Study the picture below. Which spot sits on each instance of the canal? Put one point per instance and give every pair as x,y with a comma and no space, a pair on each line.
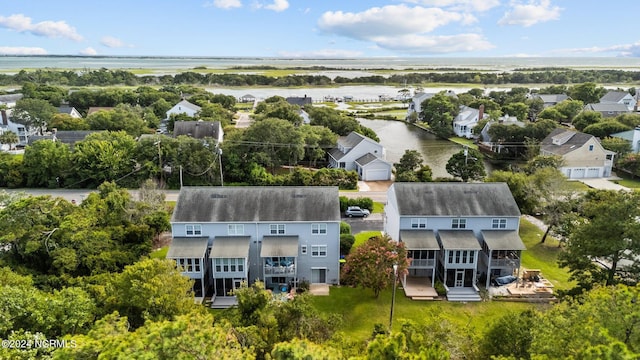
398,136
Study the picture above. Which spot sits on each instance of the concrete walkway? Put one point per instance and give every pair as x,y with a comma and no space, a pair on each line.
603,184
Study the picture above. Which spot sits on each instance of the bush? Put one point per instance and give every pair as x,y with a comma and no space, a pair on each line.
346,242
440,289
345,228
362,202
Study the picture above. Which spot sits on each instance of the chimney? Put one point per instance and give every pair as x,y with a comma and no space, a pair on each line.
481,112
5,119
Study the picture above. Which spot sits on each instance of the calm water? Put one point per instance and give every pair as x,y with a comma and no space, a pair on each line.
171,64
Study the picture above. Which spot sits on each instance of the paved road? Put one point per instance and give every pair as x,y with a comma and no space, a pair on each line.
171,195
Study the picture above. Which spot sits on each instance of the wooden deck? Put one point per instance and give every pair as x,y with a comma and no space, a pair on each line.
419,288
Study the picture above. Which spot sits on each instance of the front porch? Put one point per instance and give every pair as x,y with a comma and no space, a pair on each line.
419,288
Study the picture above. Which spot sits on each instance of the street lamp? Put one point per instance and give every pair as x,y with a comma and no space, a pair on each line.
393,295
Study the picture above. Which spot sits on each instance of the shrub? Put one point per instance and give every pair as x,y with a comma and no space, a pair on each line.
345,228
346,242
440,289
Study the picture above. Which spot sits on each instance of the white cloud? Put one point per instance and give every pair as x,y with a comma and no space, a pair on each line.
224,4
391,20
626,50
276,5
531,13
88,51
421,44
112,42
404,28
459,5
51,29
7,50
323,53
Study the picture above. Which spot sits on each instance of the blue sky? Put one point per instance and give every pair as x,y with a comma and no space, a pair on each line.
321,28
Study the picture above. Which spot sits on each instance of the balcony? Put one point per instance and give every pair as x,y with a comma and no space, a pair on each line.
505,262
422,263
279,270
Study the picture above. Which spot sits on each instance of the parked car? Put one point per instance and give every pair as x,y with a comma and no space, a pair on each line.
356,211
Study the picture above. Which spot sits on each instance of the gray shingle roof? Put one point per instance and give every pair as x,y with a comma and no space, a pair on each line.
259,203
455,199
351,140
188,105
577,140
419,239
197,129
613,96
607,107
366,159
459,240
503,240
230,247
187,247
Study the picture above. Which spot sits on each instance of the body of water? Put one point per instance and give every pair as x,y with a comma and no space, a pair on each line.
173,64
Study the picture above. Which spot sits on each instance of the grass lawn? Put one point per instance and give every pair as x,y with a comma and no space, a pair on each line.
378,207
464,142
575,186
627,182
160,253
360,311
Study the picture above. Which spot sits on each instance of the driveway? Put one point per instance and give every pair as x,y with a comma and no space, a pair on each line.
603,184
243,120
373,222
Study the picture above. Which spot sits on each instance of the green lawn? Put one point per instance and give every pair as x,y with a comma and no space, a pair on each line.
378,207
630,183
464,142
160,253
360,311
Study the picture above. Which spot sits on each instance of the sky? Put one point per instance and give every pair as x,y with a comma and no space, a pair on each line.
321,28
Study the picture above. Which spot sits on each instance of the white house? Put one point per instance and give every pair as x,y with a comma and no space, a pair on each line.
466,120
582,154
184,107
71,111
23,132
415,105
351,154
619,97
457,233
223,236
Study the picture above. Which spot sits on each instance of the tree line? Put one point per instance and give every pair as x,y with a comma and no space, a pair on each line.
106,77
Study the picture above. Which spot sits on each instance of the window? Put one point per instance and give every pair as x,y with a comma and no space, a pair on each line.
458,223
303,249
590,147
193,229
318,229
318,250
196,265
418,223
276,229
498,223
236,229
189,265
229,264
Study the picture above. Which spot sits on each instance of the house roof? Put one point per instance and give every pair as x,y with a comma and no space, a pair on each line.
562,141
63,136
257,203
66,109
10,98
419,239
503,240
467,115
552,98
454,199
350,141
614,96
197,129
230,247
299,100
459,240
280,246
188,105
607,107
627,135
187,247
368,159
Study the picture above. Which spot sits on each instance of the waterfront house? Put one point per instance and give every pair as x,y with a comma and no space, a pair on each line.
466,120
279,235
357,152
458,233
582,154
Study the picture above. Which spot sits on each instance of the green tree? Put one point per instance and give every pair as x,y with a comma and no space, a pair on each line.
123,117
587,92
605,128
36,113
370,265
9,138
519,326
102,156
604,238
439,112
65,122
274,142
618,145
46,164
586,118
517,109
141,293
297,349
467,164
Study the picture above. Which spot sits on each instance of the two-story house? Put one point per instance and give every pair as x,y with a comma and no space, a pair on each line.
458,233
361,154
582,154
279,235
466,120
199,129
619,97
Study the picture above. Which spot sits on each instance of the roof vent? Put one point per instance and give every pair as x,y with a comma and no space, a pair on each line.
299,196
218,196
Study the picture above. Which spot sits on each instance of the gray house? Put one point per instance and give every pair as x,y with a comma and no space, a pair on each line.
361,154
199,129
458,233
279,235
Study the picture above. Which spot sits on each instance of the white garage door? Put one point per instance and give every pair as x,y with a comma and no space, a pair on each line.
376,174
593,172
577,173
